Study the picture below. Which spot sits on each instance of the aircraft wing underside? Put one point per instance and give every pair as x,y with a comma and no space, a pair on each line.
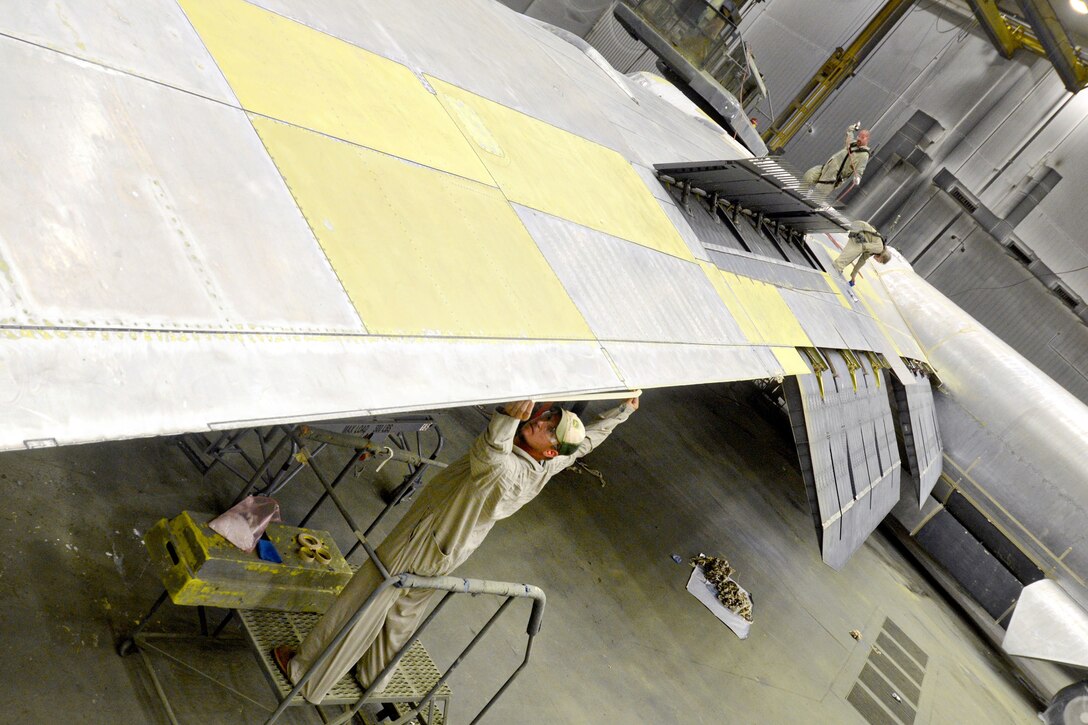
227,214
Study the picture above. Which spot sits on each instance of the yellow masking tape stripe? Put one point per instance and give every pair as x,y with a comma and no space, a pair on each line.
835,288
283,69
421,252
770,313
792,362
561,173
872,301
747,326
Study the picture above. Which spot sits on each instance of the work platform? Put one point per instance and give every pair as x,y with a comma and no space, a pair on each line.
764,185
414,677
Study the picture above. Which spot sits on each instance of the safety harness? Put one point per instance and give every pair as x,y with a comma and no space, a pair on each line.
854,147
866,235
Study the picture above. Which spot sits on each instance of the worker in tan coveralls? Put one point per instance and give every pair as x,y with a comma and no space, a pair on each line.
848,163
863,242
506,467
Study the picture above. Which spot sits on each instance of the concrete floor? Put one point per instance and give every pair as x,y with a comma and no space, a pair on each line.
696,470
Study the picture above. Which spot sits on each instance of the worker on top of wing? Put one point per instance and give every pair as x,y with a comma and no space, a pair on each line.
506,467
863,242
847,164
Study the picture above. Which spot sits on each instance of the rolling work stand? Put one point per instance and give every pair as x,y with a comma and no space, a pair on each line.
279,603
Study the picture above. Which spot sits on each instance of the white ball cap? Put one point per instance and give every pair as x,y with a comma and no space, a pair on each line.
570,432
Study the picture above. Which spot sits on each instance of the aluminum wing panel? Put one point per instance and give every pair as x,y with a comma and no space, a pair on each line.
815,319
891,329
629,292
653,129
849,456
149,38
233,381
856,328
678,218
646,365
124,195
781,274
473,35
921,433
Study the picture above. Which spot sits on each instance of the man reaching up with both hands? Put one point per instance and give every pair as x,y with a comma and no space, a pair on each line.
506,467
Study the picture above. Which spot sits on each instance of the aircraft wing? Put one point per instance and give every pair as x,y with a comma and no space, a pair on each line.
222,214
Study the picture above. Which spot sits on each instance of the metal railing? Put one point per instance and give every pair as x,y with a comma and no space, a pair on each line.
702,33
295,441
451,585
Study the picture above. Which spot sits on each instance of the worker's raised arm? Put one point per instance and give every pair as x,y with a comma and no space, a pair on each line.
493,446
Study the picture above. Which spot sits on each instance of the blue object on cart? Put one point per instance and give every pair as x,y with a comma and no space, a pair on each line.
267,550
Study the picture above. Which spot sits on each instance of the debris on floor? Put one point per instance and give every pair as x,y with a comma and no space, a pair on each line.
711,582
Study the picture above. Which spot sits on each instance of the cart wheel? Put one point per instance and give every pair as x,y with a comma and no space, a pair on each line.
126,647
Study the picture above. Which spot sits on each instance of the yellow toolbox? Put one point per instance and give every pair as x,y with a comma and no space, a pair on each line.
201,568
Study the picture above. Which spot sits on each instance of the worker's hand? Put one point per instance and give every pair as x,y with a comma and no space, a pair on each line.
851,281
633,402
521,409
857,180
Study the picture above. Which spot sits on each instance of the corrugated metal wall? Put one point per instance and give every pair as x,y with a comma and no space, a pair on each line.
1000,293
577,16
791,39
624,53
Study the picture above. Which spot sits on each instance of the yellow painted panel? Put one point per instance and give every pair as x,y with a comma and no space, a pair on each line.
418,251
285,70
561,173
874,301
793,363
835,288
768,311
747,326
887,332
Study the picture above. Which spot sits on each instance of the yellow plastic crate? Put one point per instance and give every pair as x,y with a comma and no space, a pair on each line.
201,568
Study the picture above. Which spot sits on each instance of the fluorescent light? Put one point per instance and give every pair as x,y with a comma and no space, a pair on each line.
1079,6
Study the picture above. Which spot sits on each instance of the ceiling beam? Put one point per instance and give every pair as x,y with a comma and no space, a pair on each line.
833,73
994,25
1052,36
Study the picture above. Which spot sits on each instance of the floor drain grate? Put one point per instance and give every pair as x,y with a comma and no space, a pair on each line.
890,683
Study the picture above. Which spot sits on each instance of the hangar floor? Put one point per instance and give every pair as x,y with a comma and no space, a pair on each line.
695,470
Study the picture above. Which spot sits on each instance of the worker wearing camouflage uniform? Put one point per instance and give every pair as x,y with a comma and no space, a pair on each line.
863,242
506,467
846,164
